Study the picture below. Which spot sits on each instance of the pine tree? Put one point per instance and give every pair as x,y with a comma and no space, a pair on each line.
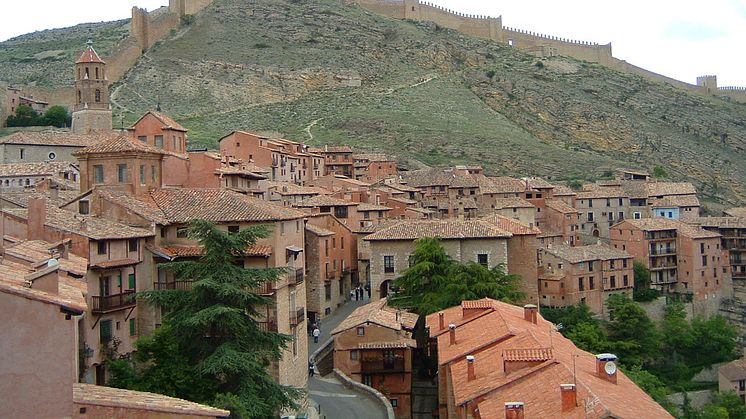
210,348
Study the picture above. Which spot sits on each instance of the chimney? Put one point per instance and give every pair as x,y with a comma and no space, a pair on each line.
530,312
514,410
470,373
569,397
452,332
442,322
606,367
62,250
37,216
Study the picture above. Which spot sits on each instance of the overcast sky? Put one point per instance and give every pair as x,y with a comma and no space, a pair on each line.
680,39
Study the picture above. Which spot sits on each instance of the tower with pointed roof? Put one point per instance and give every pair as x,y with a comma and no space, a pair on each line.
92,111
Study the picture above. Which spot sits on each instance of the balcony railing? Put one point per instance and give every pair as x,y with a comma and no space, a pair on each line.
382,366
175,285
297,316
298,276
268,325
662,251
266,288
106,303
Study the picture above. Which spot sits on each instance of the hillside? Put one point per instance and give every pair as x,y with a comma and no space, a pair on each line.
427,93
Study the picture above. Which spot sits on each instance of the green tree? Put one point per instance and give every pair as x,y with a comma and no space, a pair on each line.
642,290
713,340
589,337
659,172
434,281
650,384
56,116
676,339
25,116
210,348
633,336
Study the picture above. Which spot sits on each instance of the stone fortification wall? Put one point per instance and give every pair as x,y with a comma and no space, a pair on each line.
548,45
474,25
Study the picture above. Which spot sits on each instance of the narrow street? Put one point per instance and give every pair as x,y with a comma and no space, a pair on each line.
334,399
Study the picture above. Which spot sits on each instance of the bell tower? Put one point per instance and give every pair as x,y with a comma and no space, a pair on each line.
92,111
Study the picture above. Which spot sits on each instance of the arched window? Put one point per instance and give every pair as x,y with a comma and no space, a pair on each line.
98,95
96,73
78,73
79,97
87,76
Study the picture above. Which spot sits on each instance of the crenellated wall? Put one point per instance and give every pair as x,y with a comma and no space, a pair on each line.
534,43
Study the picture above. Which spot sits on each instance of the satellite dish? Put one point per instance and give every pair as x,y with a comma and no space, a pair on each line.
610,368
52,262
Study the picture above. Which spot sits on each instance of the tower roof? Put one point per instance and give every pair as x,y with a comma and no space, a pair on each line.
89,56
122,143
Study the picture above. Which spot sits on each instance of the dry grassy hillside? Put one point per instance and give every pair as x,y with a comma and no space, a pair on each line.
430,94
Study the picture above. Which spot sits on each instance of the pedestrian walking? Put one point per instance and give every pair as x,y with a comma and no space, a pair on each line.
360,291
311,368
316,334
357,294
353,294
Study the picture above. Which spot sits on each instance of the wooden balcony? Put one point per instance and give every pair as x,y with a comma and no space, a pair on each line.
380,366
268,325
297,316
108,303
267,288
174,285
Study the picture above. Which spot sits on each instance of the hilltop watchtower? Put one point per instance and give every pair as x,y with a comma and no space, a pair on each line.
92,111
710,83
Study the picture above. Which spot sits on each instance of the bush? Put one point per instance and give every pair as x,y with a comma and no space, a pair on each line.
490,74
645,295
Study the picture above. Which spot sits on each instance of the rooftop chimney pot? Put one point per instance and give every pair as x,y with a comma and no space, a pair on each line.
452,333
606,367
530,312
441,321
514,410
471,373
569,397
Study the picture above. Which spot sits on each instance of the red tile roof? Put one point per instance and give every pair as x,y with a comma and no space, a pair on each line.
530,354
515,227
734,370
57,138
89,394
108,264
38,251
444,229
173,252
89,56
560,206
120,144
378,312
166,120
69,297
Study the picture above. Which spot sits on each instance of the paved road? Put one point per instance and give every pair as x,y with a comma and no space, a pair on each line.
337,401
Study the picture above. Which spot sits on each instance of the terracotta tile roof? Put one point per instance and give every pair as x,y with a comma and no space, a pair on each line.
513,202
634,171
287,189
336,149
539,183
322,232
670,188
736,212
94,227
484,303
635,189
70,297
371,157
676,201
180,205
167,121
444,229
684,229
378,312
241,171
57,138
515,227
405,201
38,251
89,56
530,354
324,201
506,184
144,206
138,400
463,180
173,252
560,206
577,254
602,192
734,370
427,177
21,199
493,387
372,207
120,144
35,169
402,187
562,190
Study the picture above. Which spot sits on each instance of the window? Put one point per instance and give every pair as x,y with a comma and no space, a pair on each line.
98,174
83,207
342,242
325,209
52,156
233,229
608,202
581,285
388,264
326,247
98,95
163,232
131,282
152,173
394,403
143,138
101,247
340,212
482,259
621,201
361,331
334,242
368,380
122,173
612,281
366,215
142,174
590,266
590,217
636,215
104,331
591,284
159,141
741,385
611,216
181,232
621,216
704,260
133,327
590,203
625,280
624,263
353,355
701,248
132,245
